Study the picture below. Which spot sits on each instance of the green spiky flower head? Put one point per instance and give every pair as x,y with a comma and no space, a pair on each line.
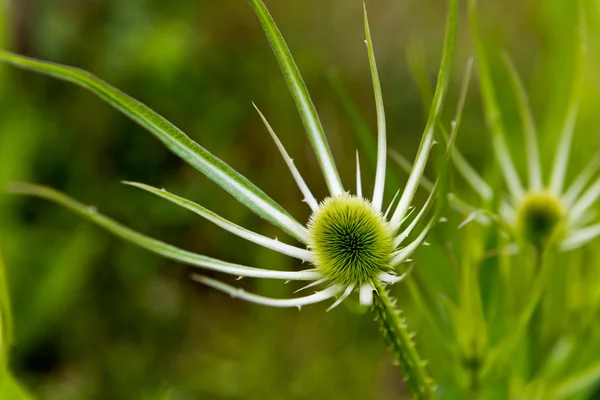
351,241
539,217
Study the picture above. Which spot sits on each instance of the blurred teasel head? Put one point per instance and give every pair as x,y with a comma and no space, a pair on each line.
546,210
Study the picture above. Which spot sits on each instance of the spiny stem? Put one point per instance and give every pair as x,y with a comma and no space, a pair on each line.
399,339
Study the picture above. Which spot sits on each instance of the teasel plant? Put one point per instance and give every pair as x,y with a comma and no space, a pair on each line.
546,210
543,210
531,241
351,242
555,218
495,316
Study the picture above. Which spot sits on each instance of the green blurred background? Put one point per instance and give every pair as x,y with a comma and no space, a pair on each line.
96,318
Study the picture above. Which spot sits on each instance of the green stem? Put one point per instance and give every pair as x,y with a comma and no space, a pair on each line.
399,339
10,388
5,321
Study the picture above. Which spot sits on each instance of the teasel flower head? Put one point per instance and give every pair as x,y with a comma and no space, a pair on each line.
351,243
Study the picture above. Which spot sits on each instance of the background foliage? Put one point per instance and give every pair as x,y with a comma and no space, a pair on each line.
95,318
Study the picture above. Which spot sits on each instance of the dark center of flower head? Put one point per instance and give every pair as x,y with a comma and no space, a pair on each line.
351,241
538,217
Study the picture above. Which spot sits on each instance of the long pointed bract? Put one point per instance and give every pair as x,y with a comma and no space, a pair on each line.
299,92
401,255
308,196
359,192
153,245
468,172
581,181
436,107
580,237
531,144
406,232
407,166
172,137
455,125
390,279
379,186
566,137
492,111
266,301
458,204
451,139
276,245
389,208
472,177
312,284
584,202
366,294
343,297
417,69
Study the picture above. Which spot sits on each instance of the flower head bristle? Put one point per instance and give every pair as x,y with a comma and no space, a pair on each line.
351,241
539,215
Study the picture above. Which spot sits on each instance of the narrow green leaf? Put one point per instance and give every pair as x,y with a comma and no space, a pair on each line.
415,62
579,382
273,244
581,181
366,138
308,196
5,321
580,237
433,188
239,293
502,353
531,143
472,176
455,126
416,67
558,360
493,114
379,186
406,166
566,137
401,255
153,245
434,114
299,92
459,205
582,205
173,138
